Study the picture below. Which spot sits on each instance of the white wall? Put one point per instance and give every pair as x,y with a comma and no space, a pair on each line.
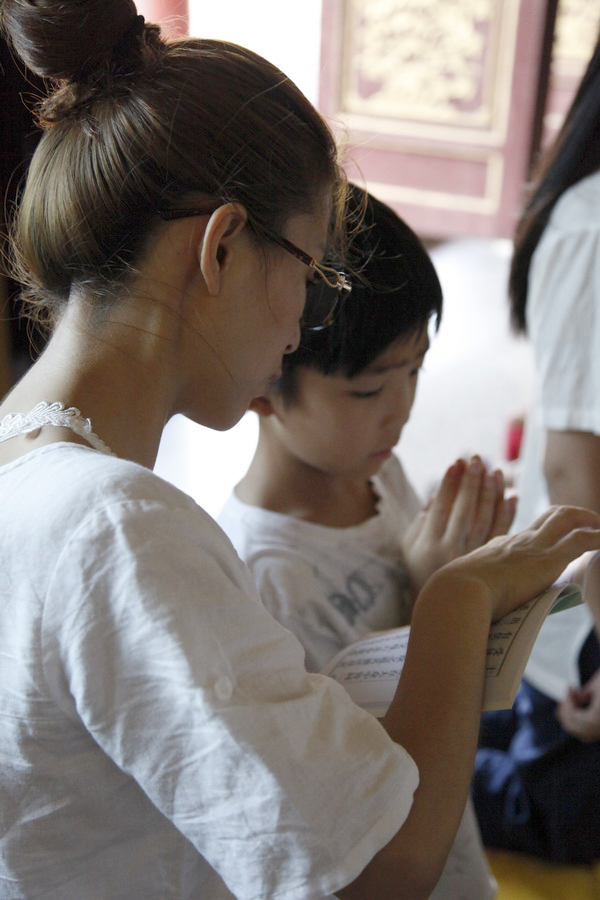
288,35
477,375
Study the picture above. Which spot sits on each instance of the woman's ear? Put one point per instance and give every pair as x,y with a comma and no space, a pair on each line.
222,231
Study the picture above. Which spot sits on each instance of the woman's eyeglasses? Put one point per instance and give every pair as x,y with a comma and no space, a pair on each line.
322,297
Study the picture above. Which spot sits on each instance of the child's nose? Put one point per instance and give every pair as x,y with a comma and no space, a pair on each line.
396,418
399,413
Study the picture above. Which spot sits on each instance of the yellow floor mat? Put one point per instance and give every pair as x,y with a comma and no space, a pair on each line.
523,877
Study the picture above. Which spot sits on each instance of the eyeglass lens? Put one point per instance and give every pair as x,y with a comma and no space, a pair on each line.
321,303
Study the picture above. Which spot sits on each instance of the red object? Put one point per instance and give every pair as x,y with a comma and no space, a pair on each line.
514,437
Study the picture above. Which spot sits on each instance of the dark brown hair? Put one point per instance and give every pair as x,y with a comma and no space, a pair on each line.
574,155
395,293
134,125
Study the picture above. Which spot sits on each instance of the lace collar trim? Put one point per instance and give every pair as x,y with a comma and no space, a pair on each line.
52,414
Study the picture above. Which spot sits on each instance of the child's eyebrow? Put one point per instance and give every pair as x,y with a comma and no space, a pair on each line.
379,370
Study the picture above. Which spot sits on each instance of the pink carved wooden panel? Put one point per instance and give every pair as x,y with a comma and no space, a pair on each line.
436,100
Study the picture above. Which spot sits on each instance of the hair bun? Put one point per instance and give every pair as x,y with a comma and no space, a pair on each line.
63,39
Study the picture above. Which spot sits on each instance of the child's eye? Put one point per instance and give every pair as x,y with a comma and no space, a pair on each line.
363,395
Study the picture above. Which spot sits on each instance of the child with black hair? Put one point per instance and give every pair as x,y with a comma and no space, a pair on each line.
325,517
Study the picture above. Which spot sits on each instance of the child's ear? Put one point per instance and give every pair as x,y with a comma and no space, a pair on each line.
262,406
224,227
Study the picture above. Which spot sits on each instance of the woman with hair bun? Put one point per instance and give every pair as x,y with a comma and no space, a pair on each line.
160,738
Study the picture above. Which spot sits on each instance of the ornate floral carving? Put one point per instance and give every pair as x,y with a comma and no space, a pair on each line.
423,59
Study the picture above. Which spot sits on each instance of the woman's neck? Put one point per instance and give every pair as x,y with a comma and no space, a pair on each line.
103,370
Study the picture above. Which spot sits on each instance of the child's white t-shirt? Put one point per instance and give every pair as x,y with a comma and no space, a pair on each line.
157,726
330,586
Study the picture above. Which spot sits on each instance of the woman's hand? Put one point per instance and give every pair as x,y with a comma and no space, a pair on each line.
515,568
468,509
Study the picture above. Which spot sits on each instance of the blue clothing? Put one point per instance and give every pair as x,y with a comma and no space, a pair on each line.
536,789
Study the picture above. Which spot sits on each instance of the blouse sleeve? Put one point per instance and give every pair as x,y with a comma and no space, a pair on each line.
185,682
